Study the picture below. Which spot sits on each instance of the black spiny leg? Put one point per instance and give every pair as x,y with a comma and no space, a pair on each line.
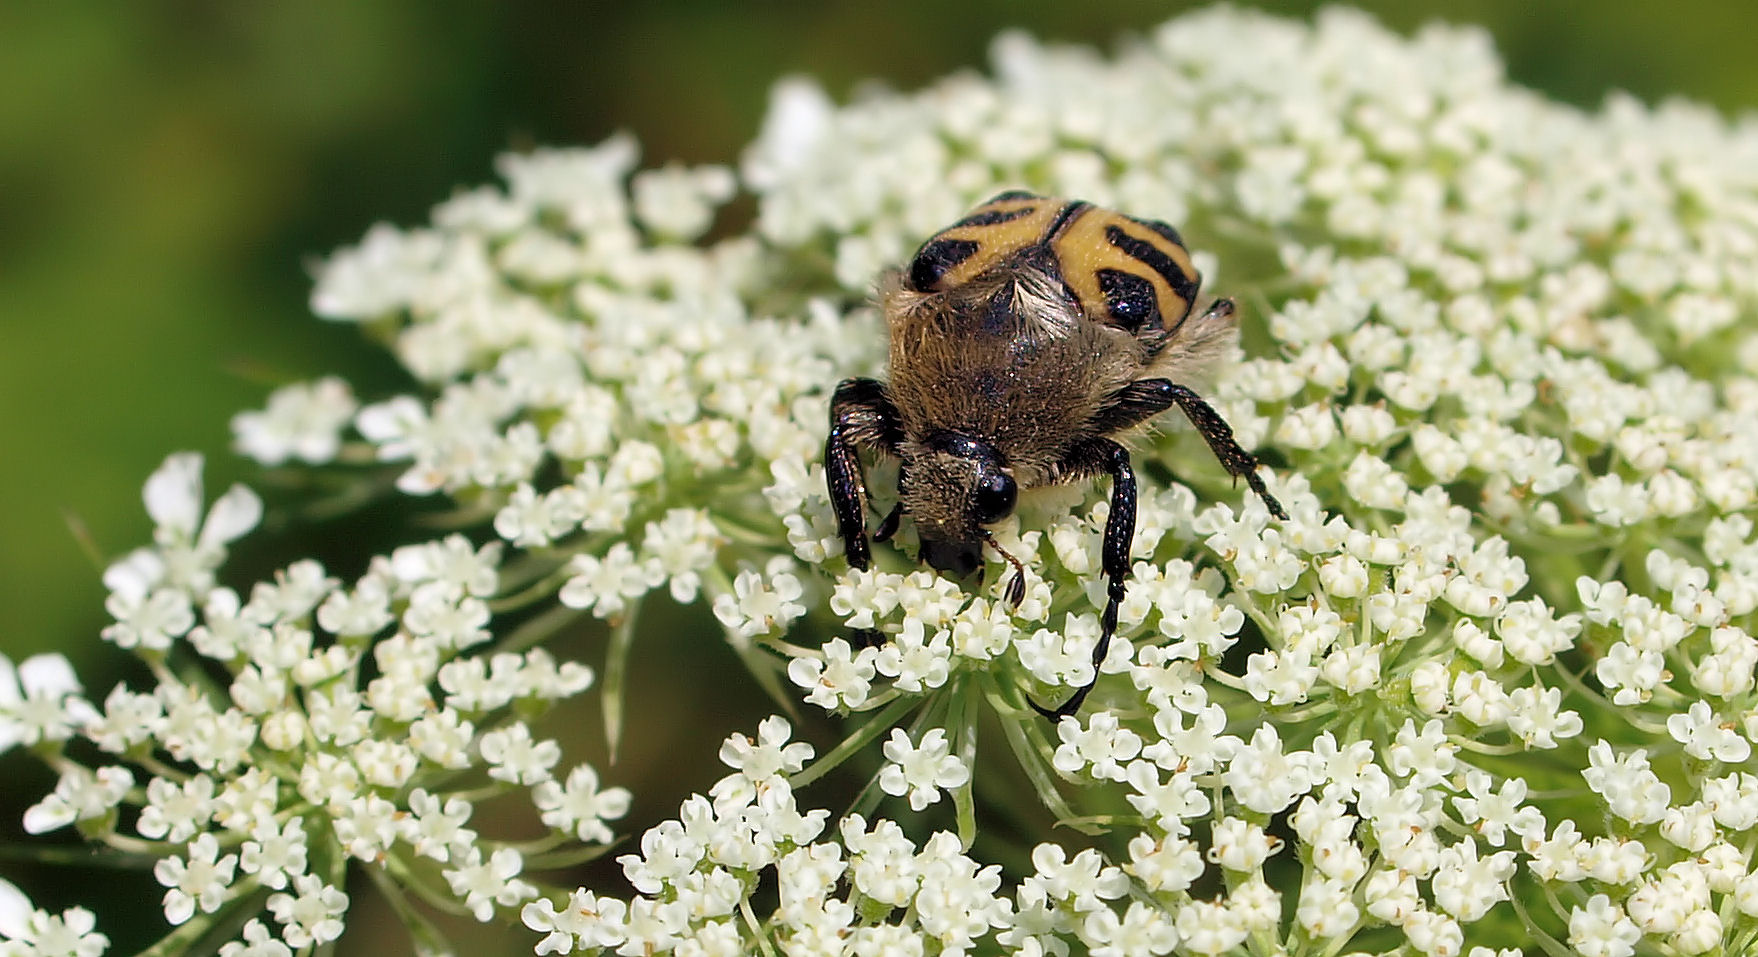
1142,400
1128,406
1103,455
1135,403
1219,435
861,414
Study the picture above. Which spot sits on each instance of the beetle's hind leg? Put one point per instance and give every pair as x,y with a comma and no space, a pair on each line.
1215,431
1145,398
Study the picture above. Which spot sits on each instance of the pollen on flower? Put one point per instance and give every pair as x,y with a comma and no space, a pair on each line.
760,604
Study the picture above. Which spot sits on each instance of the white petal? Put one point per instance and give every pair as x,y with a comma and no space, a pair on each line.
41,818
412,563
173,493
388,421
48,675
135,575
15,911
798,118
236,513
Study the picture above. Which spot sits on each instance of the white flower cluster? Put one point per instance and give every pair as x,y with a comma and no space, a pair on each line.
695,875
1517,412
1491,684
324,722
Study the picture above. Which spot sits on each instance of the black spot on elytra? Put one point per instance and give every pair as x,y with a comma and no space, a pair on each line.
936,258
1130,299
1012,195
1149,255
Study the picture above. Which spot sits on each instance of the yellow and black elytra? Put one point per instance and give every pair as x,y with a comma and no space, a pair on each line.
1023,337
1130,272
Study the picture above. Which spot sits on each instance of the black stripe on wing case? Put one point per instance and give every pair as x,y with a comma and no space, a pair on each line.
992,217
936,258
1151,256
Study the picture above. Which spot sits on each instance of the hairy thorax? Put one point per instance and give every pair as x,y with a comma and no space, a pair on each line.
1012,364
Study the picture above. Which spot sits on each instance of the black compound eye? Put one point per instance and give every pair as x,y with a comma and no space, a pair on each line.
995,496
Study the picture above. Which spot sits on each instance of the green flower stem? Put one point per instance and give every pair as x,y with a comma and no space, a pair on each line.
1211,669
150,850
81,855
1476,746
738,531
544,585
963,720
539,628
1034,759
189,936
356,490
757,932
561,860
470,513
1550,944
1323,707
862,736
1243,600
427,937
616,670
414,879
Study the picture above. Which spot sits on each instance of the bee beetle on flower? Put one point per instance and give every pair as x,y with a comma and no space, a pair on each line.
1023,338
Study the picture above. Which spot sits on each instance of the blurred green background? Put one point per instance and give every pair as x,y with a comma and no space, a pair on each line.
168,169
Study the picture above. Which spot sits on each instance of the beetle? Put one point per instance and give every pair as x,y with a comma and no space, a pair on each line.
1023,338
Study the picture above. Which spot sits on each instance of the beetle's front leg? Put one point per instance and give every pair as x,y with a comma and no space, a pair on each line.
842,473
861,414
1090,456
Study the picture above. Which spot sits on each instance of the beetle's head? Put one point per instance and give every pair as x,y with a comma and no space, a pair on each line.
954,485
